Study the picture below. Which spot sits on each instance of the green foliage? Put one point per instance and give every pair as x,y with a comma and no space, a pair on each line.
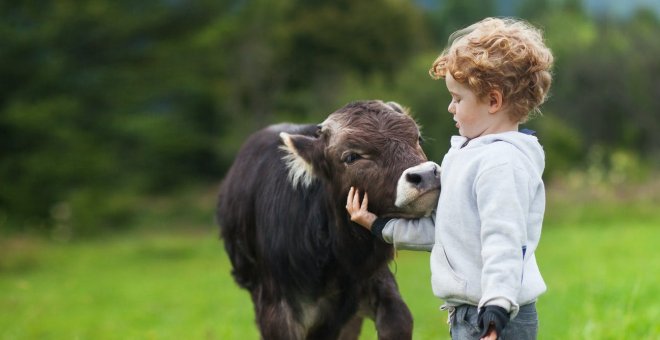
563,144
104,103
606,80
452,15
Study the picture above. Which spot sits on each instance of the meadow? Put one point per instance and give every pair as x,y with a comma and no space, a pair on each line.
599,259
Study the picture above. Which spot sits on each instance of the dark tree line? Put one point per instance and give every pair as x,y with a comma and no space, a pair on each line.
105,102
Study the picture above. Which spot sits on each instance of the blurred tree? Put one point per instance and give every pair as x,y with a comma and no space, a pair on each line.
288,60
607,80
98,96
103,101
451,15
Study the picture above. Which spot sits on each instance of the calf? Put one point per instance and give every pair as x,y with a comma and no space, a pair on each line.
311,272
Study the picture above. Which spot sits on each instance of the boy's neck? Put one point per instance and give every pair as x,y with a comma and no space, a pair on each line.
503,124
493,130
501,129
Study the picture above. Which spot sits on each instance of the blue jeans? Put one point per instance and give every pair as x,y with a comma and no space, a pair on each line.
463,324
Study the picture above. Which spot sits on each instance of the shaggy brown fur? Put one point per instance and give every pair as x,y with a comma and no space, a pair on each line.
311,272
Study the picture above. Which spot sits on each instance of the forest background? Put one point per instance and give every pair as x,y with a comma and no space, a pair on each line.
106,105
119,119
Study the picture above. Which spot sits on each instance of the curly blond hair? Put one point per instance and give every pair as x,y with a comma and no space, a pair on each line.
502,54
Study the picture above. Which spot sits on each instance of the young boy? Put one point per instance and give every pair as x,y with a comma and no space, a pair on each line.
488,221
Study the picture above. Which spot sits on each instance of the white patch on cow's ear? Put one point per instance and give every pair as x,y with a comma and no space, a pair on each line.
398,108
301,171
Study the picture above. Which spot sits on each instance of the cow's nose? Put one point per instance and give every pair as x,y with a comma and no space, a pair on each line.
414,178
414,186
423,177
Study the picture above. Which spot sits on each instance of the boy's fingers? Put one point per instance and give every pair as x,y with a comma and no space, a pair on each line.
365,202
349,199
356,199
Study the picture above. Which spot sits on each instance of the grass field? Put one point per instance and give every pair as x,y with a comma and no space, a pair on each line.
602,268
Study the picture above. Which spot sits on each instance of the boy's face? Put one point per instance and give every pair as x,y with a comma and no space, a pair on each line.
471,114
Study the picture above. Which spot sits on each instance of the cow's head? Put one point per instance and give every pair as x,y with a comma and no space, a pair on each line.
374,146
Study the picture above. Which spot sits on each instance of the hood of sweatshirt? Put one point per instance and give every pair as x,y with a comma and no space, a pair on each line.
528,144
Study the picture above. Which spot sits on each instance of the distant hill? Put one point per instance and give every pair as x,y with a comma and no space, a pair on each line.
598,8
621,9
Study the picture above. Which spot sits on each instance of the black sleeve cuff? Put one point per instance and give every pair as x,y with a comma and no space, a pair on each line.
495,315
378,226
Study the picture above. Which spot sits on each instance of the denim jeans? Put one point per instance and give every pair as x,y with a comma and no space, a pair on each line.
463,324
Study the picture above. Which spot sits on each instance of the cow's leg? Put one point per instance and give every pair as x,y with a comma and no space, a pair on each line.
392,317
337,314
351,330
275,319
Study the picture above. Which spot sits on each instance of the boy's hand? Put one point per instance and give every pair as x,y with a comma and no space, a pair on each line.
492,334
358,211
492,320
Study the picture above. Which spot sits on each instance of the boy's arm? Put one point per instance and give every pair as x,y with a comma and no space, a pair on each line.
502,210
409,234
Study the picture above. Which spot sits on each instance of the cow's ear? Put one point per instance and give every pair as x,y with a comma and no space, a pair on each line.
300,151
398,108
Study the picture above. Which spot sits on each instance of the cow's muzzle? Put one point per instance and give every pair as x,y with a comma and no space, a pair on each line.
418,188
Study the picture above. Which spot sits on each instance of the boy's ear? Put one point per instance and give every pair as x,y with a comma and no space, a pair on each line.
495,101
299,158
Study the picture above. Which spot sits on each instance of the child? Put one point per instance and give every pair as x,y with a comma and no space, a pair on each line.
488,220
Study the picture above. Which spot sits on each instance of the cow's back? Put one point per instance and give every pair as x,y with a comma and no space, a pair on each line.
272,231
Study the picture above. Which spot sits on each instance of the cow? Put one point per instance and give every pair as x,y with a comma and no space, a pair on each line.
310,271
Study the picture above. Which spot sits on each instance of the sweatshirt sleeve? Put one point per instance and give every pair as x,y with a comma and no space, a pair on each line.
503,203
407,234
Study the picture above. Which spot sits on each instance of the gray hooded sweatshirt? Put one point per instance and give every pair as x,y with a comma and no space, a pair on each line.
487,224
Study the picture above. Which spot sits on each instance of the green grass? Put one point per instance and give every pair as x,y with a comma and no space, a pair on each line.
155,286
603,280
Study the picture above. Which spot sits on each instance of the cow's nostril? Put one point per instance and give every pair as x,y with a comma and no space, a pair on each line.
414,178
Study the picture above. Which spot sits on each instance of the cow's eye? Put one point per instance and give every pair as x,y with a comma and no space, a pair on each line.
421,140
351,157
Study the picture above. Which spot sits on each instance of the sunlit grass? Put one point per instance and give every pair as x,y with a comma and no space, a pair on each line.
603,282
134,286
600,264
